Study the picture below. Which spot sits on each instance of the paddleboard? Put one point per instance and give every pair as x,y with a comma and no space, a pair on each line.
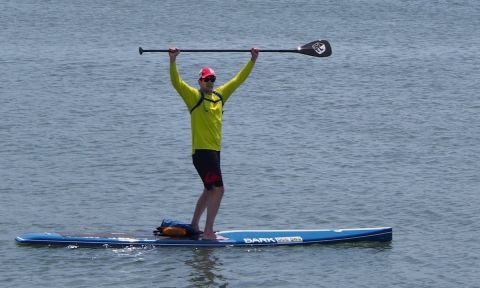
234,238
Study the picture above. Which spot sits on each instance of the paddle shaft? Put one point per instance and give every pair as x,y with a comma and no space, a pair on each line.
216,50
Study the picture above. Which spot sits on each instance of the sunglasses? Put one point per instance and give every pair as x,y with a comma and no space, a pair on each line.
210,78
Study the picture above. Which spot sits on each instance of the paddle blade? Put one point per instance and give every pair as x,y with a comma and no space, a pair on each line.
319,48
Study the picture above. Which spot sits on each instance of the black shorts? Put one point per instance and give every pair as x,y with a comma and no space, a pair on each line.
207,163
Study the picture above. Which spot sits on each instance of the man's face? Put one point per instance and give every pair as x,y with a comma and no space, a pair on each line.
207,83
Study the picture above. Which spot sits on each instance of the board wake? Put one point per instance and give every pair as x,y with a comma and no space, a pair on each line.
234,238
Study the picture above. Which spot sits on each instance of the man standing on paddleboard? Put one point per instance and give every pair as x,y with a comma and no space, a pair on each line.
206,108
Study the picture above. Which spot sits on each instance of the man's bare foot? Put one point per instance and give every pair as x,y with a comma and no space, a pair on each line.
213,236
220,237
196,229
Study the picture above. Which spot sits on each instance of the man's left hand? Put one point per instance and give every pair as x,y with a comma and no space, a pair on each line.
255,52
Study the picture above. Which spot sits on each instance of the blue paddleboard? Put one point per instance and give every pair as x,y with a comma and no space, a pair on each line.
234,238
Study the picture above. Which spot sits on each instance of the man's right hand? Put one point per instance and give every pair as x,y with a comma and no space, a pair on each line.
173,53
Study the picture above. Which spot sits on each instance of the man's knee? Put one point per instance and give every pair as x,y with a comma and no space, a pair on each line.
218,190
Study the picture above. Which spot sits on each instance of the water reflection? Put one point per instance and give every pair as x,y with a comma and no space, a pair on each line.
206,270
379,246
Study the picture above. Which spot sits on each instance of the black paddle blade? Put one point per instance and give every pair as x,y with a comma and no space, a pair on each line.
319,48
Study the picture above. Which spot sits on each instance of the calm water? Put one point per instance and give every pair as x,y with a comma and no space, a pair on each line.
385,132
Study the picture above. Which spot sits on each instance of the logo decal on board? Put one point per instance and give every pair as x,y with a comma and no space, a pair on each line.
289,239
278,240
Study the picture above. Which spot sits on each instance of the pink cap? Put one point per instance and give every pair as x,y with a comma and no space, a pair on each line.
205,72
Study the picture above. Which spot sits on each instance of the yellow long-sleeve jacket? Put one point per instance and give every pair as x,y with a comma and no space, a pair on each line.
206,119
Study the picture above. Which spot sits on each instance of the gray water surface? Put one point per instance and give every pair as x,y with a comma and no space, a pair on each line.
385,132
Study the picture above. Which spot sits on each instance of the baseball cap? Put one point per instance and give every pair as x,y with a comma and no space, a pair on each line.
205,72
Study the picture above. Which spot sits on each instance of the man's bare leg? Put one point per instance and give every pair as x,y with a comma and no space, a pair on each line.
213,204
199,209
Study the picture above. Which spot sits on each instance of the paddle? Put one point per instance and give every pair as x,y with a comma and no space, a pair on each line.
318,48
